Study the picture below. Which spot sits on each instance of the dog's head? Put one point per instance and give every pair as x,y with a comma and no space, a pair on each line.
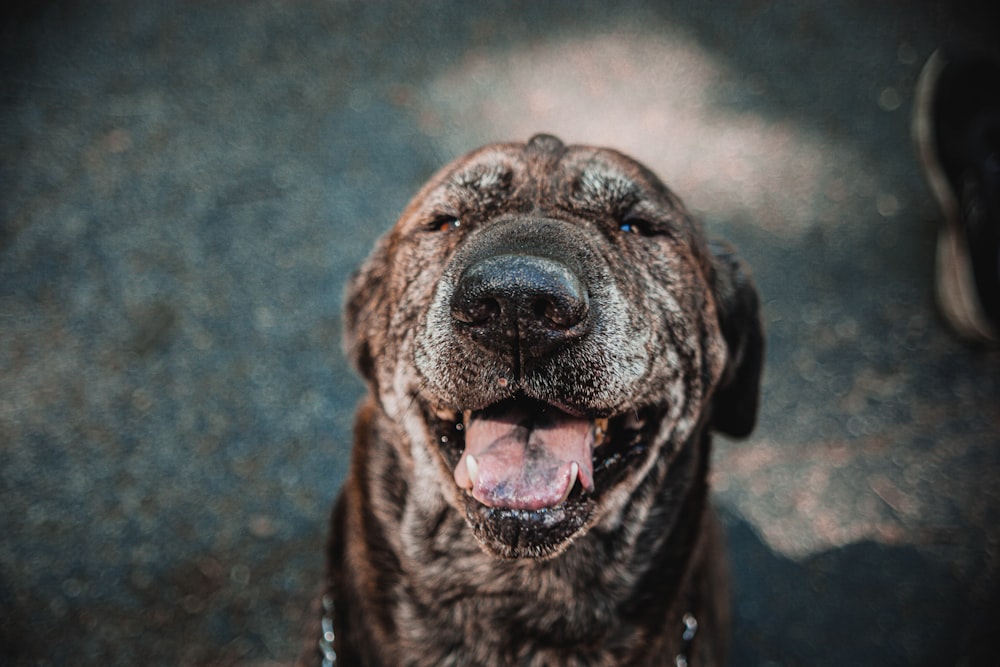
547,323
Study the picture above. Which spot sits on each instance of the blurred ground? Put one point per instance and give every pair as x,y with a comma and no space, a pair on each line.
185,186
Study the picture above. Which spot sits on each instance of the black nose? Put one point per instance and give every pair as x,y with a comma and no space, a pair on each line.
520,302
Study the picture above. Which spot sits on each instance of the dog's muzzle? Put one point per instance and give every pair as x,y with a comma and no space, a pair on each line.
522,306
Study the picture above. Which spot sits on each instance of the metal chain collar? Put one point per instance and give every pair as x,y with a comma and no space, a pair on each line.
329,655
326,639
687,639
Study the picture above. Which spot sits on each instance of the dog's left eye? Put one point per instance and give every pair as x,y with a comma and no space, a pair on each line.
444,223
636,226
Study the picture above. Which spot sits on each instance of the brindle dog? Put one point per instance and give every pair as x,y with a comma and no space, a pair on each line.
548,342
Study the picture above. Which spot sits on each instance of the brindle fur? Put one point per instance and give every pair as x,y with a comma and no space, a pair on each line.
418,575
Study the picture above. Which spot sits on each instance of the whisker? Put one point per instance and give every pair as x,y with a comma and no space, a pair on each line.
413,399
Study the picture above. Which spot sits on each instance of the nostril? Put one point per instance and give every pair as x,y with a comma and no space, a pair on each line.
544,308
555,313
477,311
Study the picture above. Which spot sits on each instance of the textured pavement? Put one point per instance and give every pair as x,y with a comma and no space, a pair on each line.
184,188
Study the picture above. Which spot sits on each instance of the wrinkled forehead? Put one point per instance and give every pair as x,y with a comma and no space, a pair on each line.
520,174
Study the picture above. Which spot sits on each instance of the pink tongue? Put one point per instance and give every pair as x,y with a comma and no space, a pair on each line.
524,458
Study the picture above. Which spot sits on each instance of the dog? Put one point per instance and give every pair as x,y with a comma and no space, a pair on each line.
548,342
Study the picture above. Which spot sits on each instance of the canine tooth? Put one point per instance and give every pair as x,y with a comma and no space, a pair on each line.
466,417
574,472
472,465
600,429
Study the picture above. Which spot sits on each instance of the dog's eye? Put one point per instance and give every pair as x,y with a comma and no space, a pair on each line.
639,226
444,223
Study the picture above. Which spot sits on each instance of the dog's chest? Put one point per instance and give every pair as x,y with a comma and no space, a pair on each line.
475,610
500,633
493,642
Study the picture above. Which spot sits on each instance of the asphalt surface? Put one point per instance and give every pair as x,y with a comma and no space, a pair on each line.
184,188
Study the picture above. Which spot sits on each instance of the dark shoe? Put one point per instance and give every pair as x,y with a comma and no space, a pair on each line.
956,127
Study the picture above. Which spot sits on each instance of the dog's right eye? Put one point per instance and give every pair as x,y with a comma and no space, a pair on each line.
444,223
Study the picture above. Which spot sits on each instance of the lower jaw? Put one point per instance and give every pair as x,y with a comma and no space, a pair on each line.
536,534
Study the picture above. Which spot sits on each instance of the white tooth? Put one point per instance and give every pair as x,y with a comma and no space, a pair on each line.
574,472
472,465
600,430
466,416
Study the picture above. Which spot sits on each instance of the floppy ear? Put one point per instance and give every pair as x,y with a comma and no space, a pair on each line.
734,405
363,311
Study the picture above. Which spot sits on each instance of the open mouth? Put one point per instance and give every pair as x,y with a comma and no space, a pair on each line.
529,456
532,474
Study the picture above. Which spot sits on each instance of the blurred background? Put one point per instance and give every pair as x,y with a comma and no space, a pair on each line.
185,186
